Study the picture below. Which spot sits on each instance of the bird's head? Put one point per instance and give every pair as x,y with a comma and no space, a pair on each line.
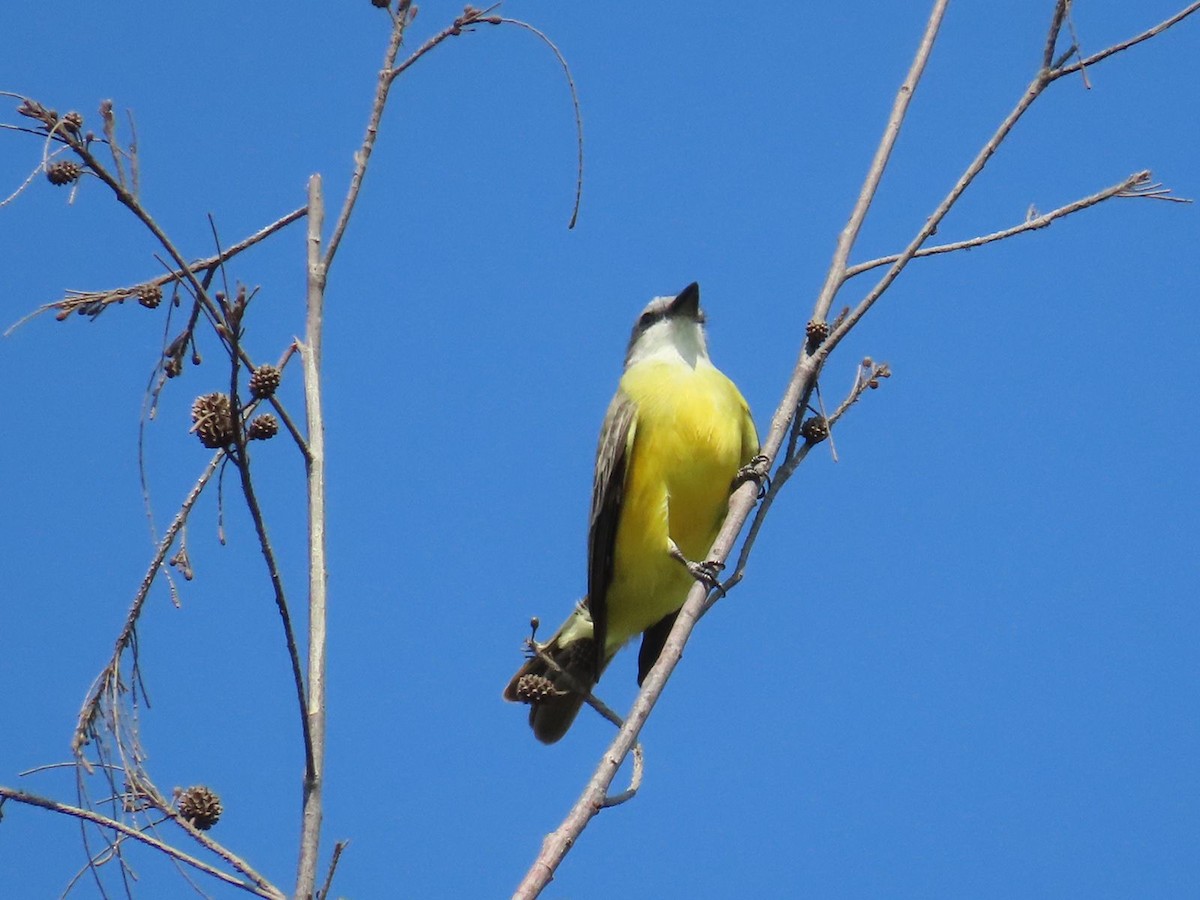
670,327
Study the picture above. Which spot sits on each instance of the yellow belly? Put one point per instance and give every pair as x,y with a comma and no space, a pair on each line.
693,433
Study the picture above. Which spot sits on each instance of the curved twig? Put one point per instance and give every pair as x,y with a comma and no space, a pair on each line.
574,103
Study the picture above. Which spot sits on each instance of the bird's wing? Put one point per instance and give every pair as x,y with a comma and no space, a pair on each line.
750,444
608,490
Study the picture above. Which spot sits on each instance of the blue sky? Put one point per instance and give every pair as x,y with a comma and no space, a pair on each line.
963,661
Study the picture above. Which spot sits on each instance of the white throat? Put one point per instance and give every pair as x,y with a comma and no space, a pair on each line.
671,339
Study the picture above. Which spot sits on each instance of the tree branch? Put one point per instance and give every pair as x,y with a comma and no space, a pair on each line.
362,157
317,571
261,887
289,632
388,74
1125,45
1130,187
90,299
91,704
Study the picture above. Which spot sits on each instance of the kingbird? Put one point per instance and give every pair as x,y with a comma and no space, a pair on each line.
673,444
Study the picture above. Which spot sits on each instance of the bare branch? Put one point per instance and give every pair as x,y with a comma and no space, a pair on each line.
635,780
91,705
338,848
363,156
261,888
388,74
1125,45
470,16
866,378
574,103
849,234
93,302
605,712
1056,23
289,633
310,354
131,202
1133,186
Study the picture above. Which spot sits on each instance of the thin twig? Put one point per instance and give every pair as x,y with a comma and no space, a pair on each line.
1127,188
65,765
1043,79
300,440
867,378
155,797
1125,45
116,295
574,684
605,711
388,74
289,632
91,705
262,889
131,202
575,105
110,139
134,163
635,780
113,851
470,16
1056,23
149,403
891,131
323,893
363,156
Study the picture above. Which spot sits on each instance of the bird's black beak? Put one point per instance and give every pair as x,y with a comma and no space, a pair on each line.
687,303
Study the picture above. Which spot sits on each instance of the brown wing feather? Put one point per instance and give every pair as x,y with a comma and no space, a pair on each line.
608,490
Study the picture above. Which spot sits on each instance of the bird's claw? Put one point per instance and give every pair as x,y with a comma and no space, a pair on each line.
707,573
757,470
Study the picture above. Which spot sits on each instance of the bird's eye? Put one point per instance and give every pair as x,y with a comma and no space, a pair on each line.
646,320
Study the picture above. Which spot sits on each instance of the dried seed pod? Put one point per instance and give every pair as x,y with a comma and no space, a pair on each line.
212,420
199,805
815,429
72,121
63,171
263,428
264,381
149,295
817,330
536,689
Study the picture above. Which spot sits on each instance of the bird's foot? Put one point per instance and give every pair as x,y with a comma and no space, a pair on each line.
707,573
758,471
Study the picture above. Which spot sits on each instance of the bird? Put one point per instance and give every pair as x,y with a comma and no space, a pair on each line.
677,438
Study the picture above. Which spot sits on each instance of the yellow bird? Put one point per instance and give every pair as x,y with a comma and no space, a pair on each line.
674,442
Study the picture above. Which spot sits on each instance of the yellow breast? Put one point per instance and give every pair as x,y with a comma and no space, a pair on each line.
692,433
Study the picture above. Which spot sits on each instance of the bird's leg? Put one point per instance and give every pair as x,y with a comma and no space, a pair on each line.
706,572
758,471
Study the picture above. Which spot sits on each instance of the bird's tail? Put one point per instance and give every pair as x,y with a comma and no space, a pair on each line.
556,692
